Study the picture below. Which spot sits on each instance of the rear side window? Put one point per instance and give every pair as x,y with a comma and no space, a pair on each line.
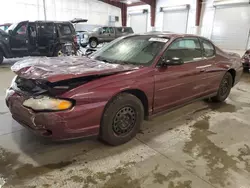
208,48
124,30
46,29
111,30
64,29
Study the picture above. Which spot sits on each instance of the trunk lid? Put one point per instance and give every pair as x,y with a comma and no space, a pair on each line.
65,68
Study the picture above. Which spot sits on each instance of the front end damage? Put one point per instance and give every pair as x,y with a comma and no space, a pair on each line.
54,124
35,96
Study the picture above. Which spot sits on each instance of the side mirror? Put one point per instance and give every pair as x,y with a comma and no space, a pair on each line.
10,32
172,61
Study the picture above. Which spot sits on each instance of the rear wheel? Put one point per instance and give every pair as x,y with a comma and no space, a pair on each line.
1,57
224,89
58,51
121,119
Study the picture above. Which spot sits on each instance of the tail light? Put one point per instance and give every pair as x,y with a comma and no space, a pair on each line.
75,39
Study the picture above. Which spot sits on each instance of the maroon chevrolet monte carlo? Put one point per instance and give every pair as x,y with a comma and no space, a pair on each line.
112,91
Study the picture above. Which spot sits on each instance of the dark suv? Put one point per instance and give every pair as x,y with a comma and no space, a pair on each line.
39,38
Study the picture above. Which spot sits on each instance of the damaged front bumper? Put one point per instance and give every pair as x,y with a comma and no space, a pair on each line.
80,121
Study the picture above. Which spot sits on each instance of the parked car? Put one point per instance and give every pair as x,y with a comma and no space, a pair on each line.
5,26
37,38
110,93
246,60
104,34
81,29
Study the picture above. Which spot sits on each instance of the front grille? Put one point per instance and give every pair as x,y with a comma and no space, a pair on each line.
30,86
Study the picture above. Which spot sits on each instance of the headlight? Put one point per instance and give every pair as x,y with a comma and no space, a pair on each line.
13,81
47,103
85,36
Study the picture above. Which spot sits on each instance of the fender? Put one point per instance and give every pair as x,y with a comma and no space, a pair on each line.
5,49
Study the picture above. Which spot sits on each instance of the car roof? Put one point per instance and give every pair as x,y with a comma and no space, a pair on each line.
115,26
57,22
169,34
6,24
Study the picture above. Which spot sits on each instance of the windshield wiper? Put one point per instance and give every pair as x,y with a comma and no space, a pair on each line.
104,60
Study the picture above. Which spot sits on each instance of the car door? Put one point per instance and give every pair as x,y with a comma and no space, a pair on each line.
112,34
105,35
213,73
19,39
178,84
47,35
32,37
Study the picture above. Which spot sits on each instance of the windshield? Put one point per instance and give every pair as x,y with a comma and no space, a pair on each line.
138,50
4,27
12,27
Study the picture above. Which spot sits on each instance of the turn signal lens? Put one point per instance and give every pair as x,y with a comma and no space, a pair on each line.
64,105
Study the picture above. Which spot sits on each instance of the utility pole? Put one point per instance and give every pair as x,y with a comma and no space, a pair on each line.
44,10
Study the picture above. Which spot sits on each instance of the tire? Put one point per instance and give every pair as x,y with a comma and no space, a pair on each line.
93,43
121,119
1,57
57,51
84,45
224,89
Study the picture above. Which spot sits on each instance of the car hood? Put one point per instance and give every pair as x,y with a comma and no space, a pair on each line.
233,54
90,32
55,69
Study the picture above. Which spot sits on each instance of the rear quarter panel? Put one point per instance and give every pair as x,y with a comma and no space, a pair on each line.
228,60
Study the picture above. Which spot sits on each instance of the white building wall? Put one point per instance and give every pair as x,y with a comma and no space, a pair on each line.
207,19
159,15
19,10
95,11
60,10
166,3
139,8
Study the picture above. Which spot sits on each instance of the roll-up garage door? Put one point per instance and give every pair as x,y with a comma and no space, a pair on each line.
175,20
138,22
231,27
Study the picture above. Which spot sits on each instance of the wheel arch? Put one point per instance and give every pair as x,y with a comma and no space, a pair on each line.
143,98
139,94
5,54
93,37
233,73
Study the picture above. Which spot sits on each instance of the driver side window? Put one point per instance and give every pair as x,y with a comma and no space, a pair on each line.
105,30
187,49
21,29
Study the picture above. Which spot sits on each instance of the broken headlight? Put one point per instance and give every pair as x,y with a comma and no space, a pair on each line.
46,103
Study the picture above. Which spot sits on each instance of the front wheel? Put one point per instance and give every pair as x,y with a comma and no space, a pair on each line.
224,89
93,43
121,119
